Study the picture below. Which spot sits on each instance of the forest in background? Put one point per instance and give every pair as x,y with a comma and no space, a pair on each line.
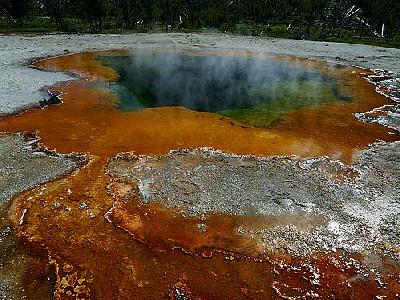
365,21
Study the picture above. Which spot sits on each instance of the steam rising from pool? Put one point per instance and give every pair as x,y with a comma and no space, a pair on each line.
255,91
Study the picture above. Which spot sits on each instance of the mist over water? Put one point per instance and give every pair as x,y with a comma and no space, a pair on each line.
251,90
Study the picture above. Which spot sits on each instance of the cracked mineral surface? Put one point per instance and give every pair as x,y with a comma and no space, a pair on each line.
308,207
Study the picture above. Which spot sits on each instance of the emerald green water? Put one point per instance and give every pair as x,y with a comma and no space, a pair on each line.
253,91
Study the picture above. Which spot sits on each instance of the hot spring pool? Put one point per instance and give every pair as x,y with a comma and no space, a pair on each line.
255,91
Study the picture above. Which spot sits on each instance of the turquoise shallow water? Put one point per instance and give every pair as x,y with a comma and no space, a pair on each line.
254,91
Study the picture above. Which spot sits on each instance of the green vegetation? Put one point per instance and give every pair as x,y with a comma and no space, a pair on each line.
375,22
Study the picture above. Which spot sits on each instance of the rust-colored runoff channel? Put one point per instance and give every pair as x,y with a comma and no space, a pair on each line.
149,252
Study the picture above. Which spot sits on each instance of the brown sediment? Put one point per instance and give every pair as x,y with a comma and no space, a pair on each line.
164,229
94,257
71,218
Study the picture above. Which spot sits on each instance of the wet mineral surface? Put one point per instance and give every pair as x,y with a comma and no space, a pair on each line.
137,220
24,164
301,205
